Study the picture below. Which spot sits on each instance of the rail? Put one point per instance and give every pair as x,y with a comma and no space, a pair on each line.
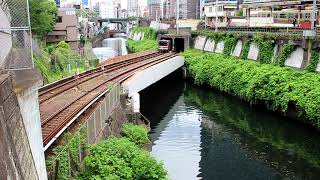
59,113
73,152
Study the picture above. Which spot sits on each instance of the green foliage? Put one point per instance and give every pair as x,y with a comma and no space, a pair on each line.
69,147
245,50
43,15
136,133
314,61
285,53
265,48
53,60
119,158
189,53
278,87
145,44
149,33
229,44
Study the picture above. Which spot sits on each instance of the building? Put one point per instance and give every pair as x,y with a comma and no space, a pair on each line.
154,9
279,12
223,11
188,9
66,28
133,8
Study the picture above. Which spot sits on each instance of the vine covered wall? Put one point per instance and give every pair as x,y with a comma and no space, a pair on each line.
148,42
279,88
266,44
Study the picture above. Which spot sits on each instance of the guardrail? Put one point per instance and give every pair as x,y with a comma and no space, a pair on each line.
272,30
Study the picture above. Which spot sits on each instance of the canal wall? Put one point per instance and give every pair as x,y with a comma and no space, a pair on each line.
254,48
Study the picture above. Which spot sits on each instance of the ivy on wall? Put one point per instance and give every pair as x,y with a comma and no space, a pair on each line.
280,88
229,44
285,53
149,33
245,50
314,61
266,46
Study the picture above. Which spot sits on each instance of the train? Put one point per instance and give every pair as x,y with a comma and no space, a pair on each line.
165,45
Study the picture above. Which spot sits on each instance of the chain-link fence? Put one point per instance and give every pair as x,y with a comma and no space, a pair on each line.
15,35
67,159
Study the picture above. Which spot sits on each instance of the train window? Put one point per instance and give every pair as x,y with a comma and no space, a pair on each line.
307,16
283,16
163,43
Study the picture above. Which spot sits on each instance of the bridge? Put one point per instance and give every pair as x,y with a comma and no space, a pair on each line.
101,36
64,102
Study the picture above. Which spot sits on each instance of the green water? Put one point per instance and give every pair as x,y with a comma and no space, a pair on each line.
202,134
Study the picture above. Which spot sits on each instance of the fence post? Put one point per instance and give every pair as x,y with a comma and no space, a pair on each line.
55,170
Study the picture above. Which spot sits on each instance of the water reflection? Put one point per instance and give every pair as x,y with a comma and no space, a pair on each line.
201,134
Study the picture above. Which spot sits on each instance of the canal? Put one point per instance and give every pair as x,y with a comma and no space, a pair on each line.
199,133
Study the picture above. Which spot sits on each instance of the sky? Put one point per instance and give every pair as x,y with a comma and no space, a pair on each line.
142,3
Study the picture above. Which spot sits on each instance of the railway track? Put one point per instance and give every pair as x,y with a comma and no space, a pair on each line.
48,92
61,103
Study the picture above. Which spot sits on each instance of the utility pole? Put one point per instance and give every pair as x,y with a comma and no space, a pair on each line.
313,16
216,24
177,18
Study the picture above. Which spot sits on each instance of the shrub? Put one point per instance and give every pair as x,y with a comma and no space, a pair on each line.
119,158
314,61
143,45
136,133
278,87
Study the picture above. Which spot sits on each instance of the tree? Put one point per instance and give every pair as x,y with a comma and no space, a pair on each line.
43,15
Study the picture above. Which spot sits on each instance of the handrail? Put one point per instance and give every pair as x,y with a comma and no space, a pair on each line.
146,121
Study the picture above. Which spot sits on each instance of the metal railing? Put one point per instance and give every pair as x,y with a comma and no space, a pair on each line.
15,35
270,30
67,158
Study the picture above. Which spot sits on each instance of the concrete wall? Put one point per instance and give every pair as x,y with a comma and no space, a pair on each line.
15,150
220,47
210,45
295,59
29,106
237,50
145,78
253,51
199,43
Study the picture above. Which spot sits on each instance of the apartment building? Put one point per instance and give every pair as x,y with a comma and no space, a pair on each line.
188,9
280,13
222,11
66,28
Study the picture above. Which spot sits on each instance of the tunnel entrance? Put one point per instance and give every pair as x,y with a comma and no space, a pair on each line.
179,45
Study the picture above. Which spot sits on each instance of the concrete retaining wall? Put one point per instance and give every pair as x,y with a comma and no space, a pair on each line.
295,59
199,43
210,45
253,51
15,148
220,47
237,50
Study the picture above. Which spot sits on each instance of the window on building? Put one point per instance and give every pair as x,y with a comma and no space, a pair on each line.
210,9
59,19
219,8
